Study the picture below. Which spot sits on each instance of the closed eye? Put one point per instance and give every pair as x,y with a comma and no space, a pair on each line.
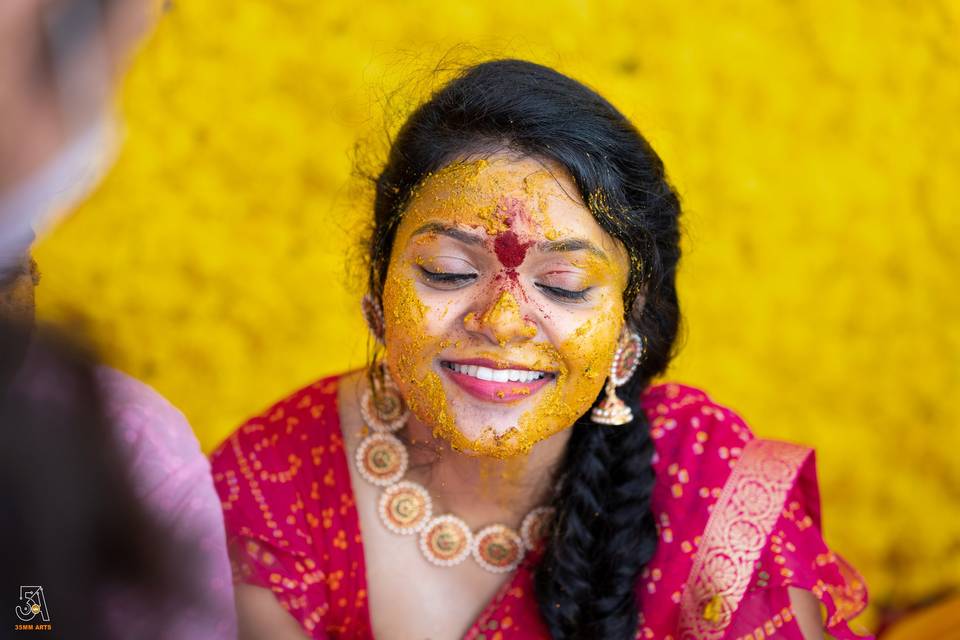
449,279
565,295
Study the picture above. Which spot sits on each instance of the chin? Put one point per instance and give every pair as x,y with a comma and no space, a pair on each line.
476,427
476,420
504,441
492,443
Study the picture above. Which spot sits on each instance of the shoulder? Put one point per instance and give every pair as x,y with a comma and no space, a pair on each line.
154,435
272,471
172,476
296,423
696,440
287,503
136,404
697,444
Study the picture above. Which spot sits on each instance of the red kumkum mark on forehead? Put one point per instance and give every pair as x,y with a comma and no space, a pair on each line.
510,251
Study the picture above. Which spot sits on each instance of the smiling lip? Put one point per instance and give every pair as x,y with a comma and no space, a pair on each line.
484,379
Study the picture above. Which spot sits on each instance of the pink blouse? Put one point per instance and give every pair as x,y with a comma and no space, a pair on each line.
738,518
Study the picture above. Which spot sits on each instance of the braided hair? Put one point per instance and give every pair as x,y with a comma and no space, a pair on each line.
603,533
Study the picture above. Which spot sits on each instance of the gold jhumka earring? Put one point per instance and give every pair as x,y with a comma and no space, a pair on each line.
612,410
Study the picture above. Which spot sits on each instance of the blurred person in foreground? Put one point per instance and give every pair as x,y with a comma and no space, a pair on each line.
60,61
79,549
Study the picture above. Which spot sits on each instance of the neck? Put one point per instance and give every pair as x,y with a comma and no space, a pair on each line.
483,490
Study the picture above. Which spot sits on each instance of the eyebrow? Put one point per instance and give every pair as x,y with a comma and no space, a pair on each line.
451,232
549,246
572,244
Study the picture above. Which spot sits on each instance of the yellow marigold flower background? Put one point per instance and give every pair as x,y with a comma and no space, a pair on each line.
815,144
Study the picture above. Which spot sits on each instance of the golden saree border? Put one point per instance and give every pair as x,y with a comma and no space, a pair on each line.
736,533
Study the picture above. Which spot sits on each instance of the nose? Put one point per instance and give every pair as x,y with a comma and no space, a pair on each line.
502,322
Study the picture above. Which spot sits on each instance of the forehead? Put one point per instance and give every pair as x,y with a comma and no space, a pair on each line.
528,195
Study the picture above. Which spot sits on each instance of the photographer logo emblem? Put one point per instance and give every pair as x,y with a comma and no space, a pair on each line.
33,605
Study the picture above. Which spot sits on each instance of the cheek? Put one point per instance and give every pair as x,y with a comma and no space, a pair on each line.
406,317
588,350
417,326
585,354
415,315
412,342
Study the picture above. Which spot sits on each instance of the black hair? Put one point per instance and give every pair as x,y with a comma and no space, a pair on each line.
603,533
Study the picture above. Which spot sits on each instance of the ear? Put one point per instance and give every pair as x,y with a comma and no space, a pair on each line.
635,311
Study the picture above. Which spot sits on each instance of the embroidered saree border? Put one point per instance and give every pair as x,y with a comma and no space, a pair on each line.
740,524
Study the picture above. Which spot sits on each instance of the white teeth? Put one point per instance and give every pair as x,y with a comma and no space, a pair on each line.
496,375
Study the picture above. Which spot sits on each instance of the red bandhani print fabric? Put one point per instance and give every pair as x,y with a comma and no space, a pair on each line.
738,518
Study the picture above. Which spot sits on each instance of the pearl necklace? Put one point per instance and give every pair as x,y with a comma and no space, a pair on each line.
405,507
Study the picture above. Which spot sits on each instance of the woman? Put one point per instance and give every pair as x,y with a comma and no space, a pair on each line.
505,469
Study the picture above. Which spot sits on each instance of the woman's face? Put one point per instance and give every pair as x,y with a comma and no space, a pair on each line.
503,304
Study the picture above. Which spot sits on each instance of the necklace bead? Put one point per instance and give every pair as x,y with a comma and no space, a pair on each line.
382,459
534,527
446,541
405,508
386,413
498,548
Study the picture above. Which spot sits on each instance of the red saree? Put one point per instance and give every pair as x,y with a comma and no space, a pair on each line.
739,522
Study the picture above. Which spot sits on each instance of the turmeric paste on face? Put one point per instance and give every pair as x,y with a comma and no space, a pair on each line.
494,306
